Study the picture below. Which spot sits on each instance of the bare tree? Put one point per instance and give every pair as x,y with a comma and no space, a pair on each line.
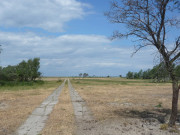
149,21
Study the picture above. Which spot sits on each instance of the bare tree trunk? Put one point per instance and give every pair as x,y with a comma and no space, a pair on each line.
175,96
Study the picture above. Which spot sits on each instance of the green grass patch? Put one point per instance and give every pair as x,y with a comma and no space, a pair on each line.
13,86
115,81
18,83
59,81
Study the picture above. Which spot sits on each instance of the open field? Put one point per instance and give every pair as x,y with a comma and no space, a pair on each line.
118,106
124,94
17,103
51,78
128,101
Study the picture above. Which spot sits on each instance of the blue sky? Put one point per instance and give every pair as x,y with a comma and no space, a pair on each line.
69,36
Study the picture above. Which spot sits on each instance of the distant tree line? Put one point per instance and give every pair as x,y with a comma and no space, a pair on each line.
158,73
24,71
83,75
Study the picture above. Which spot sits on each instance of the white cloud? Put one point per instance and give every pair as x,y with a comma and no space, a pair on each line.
50,15
72,54
110,64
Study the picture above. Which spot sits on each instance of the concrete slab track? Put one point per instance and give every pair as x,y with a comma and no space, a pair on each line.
83,115
36,121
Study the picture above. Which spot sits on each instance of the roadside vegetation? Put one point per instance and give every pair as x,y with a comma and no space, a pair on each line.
116,81
23,74
41,84
158,73
24,71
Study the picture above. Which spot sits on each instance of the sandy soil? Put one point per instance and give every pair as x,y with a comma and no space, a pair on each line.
126,126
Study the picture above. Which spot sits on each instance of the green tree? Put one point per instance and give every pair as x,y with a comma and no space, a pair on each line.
154,73
140,74
80,75
159,73
130,75
30,69
85,75
136,76
146,74
163,73
1,73
9,73
177,71
35,65
22,71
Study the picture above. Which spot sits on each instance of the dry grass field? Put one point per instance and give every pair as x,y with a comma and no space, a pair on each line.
18,102
116,98
51,78
125,102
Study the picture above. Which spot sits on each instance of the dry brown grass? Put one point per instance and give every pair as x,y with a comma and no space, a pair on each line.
105,100
51,78
116,100
16,106
61,120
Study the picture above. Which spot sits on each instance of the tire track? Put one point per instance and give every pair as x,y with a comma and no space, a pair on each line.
36,121
83,116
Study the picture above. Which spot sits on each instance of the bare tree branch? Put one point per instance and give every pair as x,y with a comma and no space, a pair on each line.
177,45
175,57
148,21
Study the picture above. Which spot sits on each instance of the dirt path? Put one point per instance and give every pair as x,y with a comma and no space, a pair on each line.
83,116
36,121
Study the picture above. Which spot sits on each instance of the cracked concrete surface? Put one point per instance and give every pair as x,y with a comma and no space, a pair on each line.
36,121
84,118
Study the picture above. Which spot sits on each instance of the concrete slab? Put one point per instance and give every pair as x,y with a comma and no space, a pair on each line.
36,121
82,114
